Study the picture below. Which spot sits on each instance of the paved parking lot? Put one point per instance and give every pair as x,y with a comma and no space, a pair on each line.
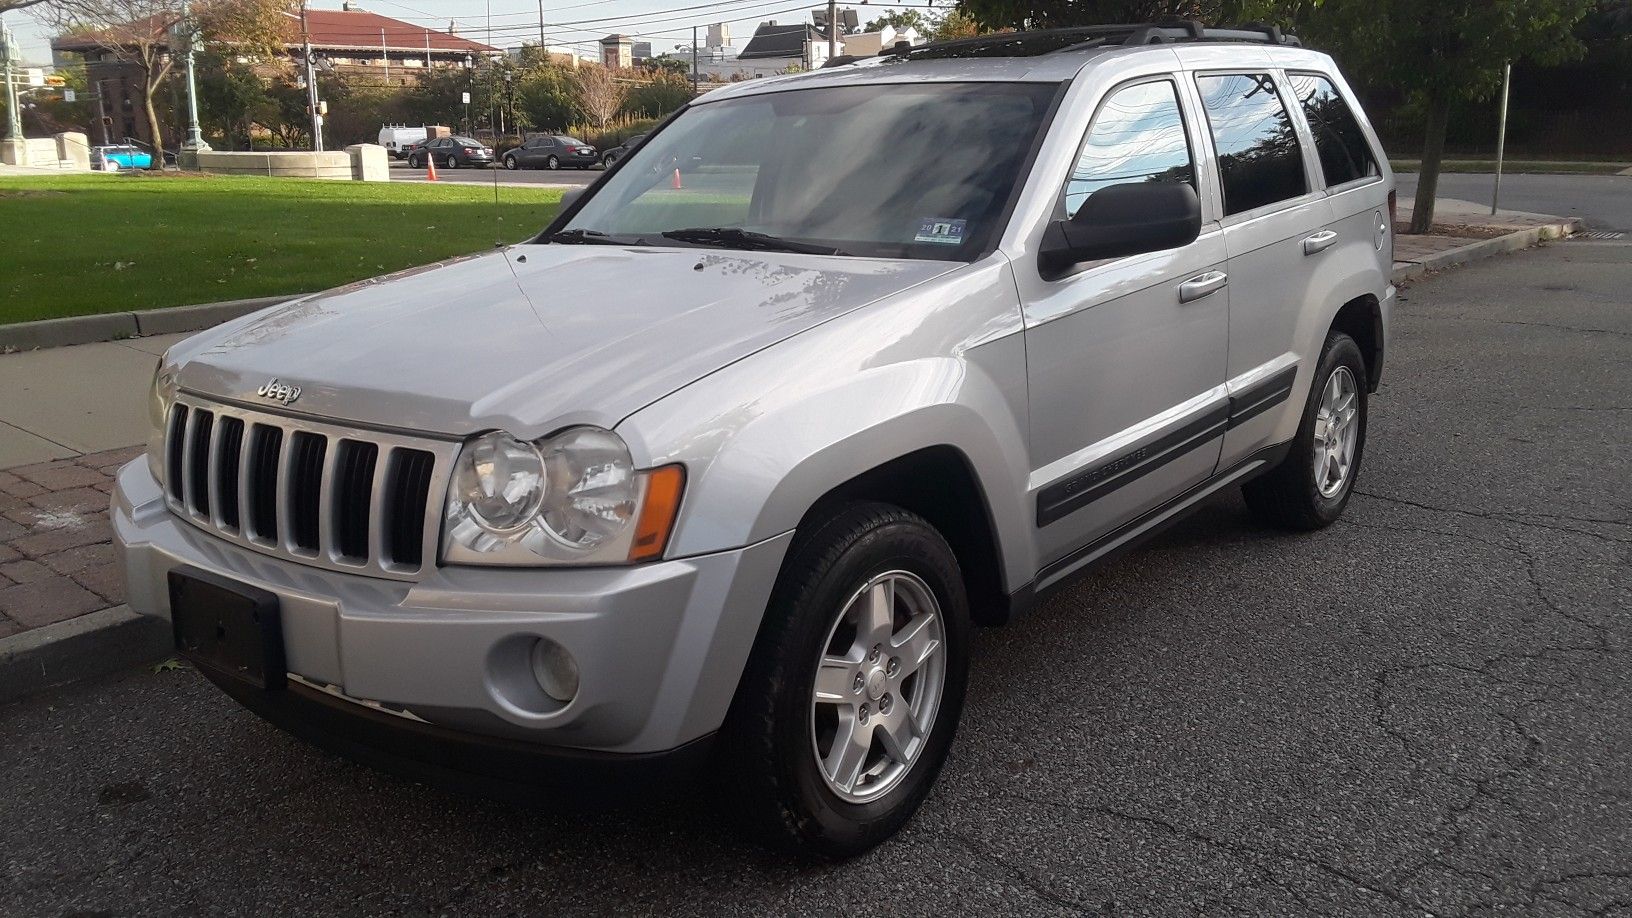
1424,710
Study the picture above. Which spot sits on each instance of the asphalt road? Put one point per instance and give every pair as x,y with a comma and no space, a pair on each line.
1423,710
1603,201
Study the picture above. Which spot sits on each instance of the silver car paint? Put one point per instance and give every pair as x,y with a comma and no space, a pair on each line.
773,378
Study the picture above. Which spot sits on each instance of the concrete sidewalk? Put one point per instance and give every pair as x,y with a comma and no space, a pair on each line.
69,401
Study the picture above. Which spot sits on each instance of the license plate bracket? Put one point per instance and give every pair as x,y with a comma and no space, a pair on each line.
228,628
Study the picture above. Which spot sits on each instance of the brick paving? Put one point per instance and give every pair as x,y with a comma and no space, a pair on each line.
56,552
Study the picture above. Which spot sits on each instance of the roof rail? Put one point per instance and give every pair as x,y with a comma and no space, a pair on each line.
1031,43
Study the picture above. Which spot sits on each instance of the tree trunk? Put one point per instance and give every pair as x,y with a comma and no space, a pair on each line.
1433,153
153,126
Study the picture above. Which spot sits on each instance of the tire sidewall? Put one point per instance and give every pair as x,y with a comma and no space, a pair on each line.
552,164
1341,351
510,163
844,827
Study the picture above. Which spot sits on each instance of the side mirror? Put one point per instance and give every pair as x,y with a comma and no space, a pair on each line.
1120,220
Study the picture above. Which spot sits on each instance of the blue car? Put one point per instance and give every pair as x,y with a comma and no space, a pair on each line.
114,158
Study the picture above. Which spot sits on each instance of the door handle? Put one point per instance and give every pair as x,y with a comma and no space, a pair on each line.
1202,285
1319,242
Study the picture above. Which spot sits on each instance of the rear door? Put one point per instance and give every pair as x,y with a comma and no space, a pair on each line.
1125,357
1274,213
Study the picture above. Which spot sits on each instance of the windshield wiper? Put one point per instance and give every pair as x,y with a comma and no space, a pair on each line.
589,237
732,238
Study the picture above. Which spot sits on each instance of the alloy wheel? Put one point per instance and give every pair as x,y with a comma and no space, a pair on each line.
878,686
1337,432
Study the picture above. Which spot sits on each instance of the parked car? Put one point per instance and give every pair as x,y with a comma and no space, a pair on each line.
551,151
621,150
397,138
112,158
836,403
451,153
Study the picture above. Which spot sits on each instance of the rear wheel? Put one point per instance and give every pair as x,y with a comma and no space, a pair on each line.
851,698
1312,485
453,161
552,163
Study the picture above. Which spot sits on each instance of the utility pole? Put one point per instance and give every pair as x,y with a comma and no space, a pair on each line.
195,138
385,55
694,61
102,115
1501,138
832,29
14,117
543,49
311,82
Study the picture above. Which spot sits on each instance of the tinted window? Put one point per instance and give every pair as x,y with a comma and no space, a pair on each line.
1259,159
1344,153
1138,136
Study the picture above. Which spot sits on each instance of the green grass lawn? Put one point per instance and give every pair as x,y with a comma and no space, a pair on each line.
110,243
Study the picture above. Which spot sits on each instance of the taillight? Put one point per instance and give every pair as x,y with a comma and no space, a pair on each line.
470,149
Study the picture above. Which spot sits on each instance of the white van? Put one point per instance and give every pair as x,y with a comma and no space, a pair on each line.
396,138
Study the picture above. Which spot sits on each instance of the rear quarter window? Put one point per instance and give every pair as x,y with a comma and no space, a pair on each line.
1259,159
1345,154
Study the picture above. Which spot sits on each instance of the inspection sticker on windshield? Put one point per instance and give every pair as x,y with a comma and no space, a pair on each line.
940,232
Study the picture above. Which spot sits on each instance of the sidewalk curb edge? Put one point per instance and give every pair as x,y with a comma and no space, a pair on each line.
113,326
80,648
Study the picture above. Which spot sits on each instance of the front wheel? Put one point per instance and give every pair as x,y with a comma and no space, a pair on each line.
511,164
1312,485
852,696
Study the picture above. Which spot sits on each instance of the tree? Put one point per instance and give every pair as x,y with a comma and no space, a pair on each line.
663,93
600,95
1442,53
902,20
144,33
955,25
546,98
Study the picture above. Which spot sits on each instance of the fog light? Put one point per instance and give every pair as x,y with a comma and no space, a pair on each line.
555,670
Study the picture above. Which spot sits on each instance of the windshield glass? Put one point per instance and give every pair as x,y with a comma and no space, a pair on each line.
909,170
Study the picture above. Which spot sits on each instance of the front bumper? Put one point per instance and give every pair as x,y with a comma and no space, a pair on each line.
659,647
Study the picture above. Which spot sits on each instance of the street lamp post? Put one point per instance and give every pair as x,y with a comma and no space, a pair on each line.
311,82
14,119
195,138
470,89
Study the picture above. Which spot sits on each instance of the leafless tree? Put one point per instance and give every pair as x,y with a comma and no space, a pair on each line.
600,95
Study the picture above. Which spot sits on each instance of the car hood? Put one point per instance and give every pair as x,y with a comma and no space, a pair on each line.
532,338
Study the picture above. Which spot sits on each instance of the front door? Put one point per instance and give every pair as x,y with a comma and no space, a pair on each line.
1125,357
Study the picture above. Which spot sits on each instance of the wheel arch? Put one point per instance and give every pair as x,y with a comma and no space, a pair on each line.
1361,318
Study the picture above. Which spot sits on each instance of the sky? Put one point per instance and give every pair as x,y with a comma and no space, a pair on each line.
575,22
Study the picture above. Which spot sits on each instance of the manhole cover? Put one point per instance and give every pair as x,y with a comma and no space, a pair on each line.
1599,234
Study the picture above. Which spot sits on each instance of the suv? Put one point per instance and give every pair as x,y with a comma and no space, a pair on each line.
878,353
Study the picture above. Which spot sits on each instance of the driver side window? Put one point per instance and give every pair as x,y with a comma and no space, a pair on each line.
1137,136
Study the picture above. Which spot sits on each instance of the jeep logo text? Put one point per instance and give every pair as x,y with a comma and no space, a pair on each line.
278,392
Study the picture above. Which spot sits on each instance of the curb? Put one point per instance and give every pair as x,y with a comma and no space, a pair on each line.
80,648
112,326
1485,248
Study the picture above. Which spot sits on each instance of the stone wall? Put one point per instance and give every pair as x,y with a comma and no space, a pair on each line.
363,162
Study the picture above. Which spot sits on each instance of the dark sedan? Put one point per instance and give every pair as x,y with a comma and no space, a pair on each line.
621,150
551,151
451,153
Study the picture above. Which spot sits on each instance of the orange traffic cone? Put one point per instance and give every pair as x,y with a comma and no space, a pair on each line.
677,179
430,168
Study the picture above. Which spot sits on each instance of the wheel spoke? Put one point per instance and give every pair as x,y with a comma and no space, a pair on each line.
835,681
849,753
878,615
915,643
898,735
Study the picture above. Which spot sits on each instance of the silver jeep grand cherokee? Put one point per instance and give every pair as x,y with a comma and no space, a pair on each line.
728,461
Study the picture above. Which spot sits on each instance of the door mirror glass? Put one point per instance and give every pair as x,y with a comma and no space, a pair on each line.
1120,220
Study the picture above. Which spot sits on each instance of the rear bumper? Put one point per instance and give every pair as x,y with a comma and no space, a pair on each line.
659,647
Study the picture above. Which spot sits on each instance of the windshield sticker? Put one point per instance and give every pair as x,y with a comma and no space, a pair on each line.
940,231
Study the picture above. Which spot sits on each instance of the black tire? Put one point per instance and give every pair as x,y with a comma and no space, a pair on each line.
511,164
453,161
768,738
609,161
551,163
414,163
1288,497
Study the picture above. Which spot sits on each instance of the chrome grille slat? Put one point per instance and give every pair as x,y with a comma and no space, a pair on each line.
223,462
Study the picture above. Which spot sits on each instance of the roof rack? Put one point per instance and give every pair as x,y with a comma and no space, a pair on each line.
1033,43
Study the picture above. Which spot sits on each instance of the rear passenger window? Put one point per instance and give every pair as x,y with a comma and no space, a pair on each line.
1259,161
1138,136
1344,153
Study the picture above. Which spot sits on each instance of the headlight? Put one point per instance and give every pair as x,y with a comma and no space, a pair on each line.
573,498
161,395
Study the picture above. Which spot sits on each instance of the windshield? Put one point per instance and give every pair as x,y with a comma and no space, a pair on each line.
907,170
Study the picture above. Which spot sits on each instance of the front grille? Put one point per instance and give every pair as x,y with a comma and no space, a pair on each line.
315,493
